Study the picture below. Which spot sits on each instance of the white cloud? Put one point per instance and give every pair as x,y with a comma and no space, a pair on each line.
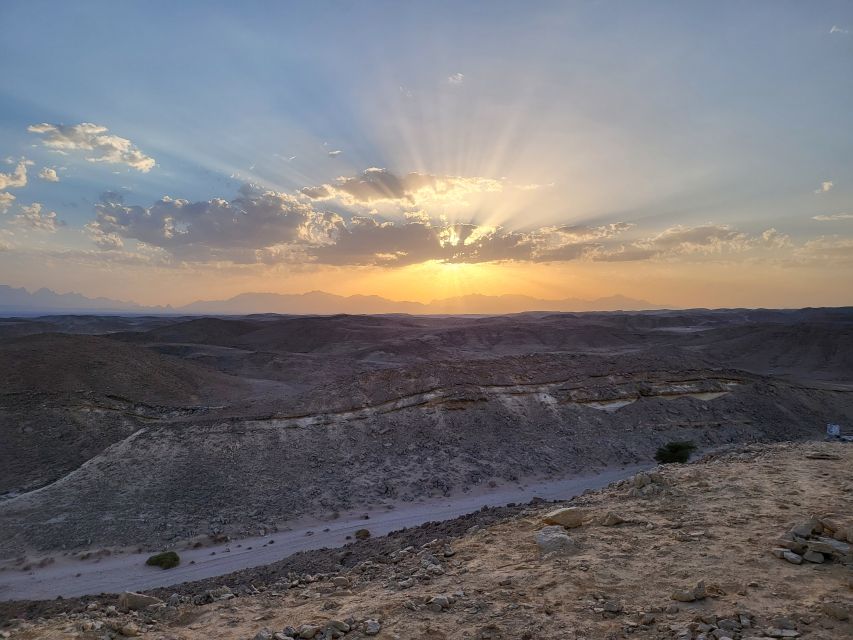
837,29
825,186
48,175
6,200
411,189
16,178
456,78
33,217
772,239
103,239
94,141
826,250
833,217
336,152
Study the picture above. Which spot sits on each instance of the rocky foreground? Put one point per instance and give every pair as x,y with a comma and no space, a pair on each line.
752,543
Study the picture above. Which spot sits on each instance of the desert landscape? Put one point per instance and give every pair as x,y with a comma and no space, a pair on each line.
239,441
426,320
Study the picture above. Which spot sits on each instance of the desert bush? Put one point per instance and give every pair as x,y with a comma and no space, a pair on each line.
678,451
362,534
165,560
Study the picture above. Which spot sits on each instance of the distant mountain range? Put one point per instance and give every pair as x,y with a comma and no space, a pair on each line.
44,301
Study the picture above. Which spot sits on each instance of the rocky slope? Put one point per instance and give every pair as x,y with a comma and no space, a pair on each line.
687,551
185,427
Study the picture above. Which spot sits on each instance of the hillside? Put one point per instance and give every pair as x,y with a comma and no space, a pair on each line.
631,569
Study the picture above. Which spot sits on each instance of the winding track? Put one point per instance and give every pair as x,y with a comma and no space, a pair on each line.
120,572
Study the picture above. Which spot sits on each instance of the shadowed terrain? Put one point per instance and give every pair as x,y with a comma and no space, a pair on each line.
151,430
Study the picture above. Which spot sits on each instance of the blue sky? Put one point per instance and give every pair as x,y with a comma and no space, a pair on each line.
663,117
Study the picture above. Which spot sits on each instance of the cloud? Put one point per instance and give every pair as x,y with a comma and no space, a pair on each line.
679,241
833,217
48,175
263,226
380,185
335,153
213,229
825,186
93,140
826,250
456,78
103,240
33,217
16,178
6,200
772,239
837,29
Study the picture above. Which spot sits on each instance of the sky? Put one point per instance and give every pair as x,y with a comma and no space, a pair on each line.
692,154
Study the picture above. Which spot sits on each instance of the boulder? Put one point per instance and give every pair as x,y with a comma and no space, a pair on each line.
568,517
611,519
554,539
689,595
132,601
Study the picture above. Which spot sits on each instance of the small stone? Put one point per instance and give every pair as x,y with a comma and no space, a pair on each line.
338,625
792,557
783,622
132,601
130,630
834,610
263,634
805,529
683,595
813,556
612,606
372,627
308,631
774,632
341,582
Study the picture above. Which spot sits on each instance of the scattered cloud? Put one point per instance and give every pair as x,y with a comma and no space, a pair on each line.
16,178
95,142
335,153
826,250
772,239
825,186
213,229
837,29
48,175
456,78
833,217
33,217
6,200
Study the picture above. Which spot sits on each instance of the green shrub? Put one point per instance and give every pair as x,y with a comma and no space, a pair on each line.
165,560
362,534
675,452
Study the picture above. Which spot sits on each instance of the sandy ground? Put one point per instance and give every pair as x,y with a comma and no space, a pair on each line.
714,521
68,576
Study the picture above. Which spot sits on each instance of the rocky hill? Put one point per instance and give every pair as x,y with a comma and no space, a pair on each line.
752,542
